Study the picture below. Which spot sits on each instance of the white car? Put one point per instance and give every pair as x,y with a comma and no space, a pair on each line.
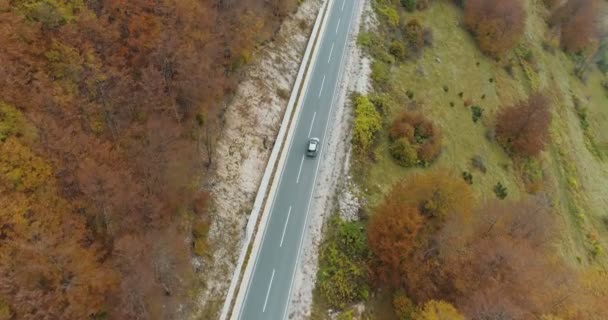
312,147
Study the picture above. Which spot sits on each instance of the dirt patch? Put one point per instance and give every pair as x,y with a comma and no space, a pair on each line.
333,183
252,121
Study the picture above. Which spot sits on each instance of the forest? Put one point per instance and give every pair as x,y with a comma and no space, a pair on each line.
109,111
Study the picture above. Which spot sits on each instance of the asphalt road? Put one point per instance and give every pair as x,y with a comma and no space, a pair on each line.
269,289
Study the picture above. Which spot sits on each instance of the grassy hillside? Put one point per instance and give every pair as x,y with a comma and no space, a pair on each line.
450,78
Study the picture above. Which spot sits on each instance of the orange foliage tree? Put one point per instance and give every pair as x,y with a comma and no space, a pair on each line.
577,22
392,234
507,265
523,129
409,213
496,24
500,264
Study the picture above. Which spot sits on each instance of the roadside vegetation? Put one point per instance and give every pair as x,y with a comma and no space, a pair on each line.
485,186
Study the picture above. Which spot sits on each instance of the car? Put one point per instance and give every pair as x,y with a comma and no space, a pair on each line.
312,147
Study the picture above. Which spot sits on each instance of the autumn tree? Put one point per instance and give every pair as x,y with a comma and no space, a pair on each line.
392,233
502,269
440,197
414,139
407,216
439,194
497,25
523,129
577,22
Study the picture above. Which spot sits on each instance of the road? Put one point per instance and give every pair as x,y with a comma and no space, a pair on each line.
269,289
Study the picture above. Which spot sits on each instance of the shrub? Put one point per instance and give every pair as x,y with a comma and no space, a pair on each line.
403,306
421,134
352,239
404,152
477,162
410,94
380,73
390,15
342,278
383,102
523,129
397,49
283,93
367,124
496,24
414,33
476,113
427,37
438,310
366,39
583,117
467,177
409,5
500,191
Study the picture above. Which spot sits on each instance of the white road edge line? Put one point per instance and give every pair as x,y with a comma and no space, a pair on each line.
343,2
317,169
268,292
300,171
338,26
285,227
331,51
322,84
312,123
